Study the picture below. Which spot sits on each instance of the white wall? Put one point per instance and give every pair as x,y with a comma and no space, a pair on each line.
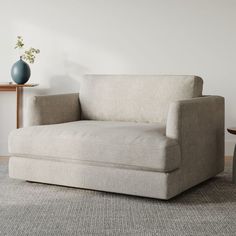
120,36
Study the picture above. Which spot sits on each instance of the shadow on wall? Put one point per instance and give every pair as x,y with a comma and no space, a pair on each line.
63,84
70,81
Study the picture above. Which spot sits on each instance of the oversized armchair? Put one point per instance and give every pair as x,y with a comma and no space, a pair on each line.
145,135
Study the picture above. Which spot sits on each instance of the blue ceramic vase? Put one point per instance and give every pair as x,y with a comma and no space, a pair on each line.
20,72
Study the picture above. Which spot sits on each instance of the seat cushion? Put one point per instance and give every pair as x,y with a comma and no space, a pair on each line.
120,144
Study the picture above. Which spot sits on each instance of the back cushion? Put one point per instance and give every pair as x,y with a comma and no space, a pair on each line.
139,98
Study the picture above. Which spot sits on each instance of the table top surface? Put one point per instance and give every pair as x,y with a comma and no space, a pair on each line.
232,130
12,85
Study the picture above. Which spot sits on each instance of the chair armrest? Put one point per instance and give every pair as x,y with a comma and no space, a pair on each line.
198,125
54,109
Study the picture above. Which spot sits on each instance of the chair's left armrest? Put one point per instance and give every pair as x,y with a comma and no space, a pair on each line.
53,109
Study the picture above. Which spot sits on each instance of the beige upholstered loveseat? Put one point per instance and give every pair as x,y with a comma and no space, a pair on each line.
152,136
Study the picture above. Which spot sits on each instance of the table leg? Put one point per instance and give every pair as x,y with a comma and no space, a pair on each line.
19,92
234,166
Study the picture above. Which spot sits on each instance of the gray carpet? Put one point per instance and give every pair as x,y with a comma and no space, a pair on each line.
38,209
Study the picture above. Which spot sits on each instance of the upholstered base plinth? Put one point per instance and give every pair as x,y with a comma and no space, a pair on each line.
128,181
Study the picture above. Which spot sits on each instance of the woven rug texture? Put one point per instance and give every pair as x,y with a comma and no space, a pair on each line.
28,208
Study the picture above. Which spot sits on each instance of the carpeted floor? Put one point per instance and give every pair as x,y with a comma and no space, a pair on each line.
38,209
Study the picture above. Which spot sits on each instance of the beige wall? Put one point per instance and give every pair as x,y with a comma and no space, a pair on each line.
120,36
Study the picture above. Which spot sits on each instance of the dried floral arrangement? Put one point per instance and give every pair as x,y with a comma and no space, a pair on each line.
28,55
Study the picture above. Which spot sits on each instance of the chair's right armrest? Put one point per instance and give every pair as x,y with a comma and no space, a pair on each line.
192,118
198,126
53,109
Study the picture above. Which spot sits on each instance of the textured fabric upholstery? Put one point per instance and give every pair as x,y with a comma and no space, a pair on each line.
141,98
119,180
128,145
152,136
53,109
198,125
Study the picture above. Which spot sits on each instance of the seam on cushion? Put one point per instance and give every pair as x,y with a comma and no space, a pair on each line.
75,159
94,163
170,148
89,161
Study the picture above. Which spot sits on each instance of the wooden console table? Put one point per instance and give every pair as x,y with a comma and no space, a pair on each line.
18,88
